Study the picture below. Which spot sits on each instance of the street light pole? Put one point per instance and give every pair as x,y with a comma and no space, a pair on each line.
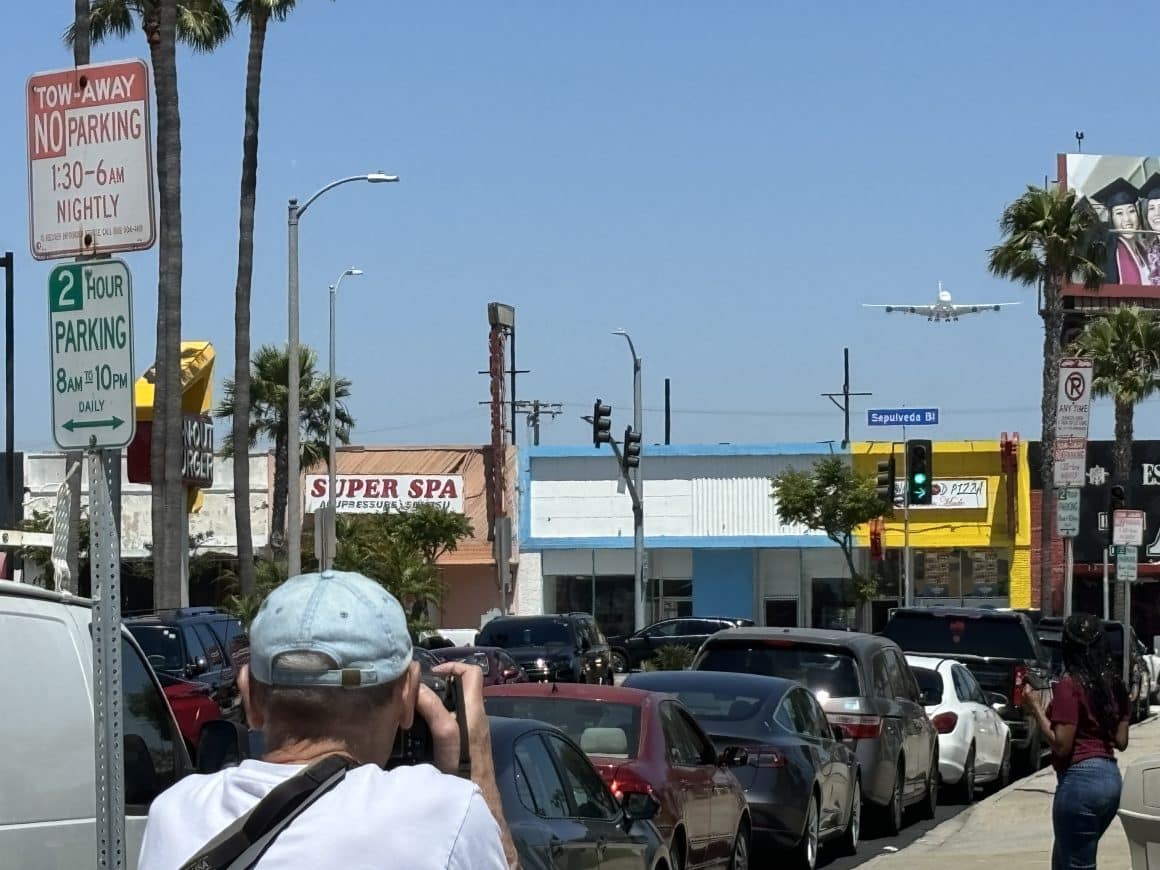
331,488
638,614
293,399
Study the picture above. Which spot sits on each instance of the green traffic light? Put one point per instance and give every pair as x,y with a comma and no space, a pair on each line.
920,478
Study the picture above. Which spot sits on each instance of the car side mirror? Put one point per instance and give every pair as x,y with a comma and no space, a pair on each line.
222,744
733,756
510,673
639,806
196,667
996,700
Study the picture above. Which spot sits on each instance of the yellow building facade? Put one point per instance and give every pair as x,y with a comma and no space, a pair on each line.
972,545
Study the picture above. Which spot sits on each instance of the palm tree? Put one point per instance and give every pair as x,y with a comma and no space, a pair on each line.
267,417
258,13
1124,346
202,25
1048,240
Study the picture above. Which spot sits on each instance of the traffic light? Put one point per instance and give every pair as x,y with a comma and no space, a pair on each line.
884,488
631,448
601,423
918,472
1116,499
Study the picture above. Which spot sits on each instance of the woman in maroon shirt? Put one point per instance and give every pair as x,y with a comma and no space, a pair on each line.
1085,723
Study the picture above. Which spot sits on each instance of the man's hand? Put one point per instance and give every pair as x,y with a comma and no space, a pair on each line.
443,724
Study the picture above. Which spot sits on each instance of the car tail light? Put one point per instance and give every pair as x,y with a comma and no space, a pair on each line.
1020,677
766,757
857,727
628,780
944,723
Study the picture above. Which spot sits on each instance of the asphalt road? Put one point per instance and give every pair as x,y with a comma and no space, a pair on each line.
873,844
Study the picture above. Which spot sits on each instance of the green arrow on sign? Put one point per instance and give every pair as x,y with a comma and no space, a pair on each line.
73,425
920,492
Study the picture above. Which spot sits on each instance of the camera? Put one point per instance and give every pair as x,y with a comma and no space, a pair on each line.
415,744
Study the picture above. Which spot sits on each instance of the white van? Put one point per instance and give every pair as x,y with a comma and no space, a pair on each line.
47,764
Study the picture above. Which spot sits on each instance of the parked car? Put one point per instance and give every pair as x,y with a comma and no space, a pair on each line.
192,643
974,743
803,783
48,766
498,667
642,741
1152,663
560,812
1139,683
1001,650
566,648
193,705
865,686
631,651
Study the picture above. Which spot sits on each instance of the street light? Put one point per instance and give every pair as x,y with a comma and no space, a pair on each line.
293,414
638,512
332,437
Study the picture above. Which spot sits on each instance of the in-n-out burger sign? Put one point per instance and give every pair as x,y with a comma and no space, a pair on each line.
379,493
197,451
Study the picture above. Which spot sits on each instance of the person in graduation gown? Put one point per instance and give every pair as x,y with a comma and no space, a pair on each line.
1150,212
1127,258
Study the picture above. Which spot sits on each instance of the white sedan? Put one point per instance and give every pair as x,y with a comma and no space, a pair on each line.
974,743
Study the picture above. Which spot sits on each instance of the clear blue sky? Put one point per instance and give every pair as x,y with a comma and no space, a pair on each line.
727,181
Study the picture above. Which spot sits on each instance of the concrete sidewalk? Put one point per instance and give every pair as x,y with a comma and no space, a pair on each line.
1013,828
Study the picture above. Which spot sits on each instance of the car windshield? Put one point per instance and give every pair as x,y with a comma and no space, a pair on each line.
161,645
708,705
953,634
600,728
820,669
510,634
928,681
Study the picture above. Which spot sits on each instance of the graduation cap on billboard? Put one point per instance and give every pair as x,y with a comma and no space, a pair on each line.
1119,192
1151,188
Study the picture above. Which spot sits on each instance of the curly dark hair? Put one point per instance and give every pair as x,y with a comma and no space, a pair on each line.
1086,660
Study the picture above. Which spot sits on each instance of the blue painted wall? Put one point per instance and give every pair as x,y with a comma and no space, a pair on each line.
723,583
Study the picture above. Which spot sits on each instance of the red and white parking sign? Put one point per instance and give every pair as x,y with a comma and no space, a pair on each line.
90,161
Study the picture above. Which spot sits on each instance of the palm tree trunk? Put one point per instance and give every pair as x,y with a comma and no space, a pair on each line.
165,454
1122,469
281,488
241,421
1052,329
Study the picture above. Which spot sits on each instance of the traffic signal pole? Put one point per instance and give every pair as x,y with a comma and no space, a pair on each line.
907,580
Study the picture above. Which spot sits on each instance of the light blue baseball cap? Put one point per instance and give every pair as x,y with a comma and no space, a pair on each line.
344,615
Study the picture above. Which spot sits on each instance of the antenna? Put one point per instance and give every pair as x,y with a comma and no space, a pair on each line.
1079,141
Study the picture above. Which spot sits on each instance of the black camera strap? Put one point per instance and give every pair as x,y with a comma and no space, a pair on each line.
241,844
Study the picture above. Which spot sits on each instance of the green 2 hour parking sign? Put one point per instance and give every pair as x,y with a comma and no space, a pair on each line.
90,326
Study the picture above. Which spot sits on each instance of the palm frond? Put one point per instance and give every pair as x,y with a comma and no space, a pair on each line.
107,19
203,25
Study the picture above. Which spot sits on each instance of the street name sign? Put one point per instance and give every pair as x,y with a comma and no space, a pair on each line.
90,160
902,417
1127,568
1067,512
1128,528
1073,406
90,333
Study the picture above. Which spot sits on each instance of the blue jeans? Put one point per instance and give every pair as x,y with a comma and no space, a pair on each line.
1086,800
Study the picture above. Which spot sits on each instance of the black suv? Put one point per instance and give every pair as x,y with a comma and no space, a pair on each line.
192,643
1050,631
561,647
629,653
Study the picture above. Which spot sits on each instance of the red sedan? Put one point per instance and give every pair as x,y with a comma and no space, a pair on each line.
646,741
192,706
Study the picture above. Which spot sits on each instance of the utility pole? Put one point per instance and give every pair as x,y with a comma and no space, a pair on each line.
534,409
844,405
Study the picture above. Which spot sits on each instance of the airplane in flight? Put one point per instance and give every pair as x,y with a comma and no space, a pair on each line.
943,309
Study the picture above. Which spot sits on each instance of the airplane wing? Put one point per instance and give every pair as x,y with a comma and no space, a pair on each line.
924,310
982,306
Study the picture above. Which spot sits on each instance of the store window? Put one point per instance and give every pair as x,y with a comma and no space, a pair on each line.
781,612
669,599
960,575
609,599
834,604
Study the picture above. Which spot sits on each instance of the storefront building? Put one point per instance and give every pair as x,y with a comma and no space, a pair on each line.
458,479
1142,492
971,545
714,544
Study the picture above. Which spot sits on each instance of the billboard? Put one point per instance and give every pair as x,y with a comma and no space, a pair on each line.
381,493
1124,195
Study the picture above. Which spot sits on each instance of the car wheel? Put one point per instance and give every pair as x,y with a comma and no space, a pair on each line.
966,787
679,850
892,812
849,842
930,802
619,662
739,860
807,848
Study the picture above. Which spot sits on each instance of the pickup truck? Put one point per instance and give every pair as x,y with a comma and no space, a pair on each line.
1140,680
1001,650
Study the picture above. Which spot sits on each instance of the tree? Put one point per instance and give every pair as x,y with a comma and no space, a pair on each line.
1048,240
258,13
268,411
400,550
202,25
834,499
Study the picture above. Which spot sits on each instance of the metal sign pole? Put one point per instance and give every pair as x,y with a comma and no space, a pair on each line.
908,590
106,629
1106,616
1069,576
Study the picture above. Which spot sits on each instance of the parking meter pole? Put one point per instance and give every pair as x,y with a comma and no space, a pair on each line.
106,629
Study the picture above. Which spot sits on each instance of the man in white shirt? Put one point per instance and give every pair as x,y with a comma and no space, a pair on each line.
331,673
